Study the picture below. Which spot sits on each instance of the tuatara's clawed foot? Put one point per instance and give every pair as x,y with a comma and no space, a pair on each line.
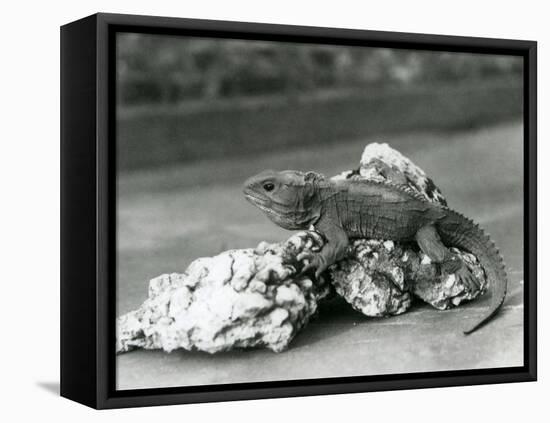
457,267
452,265
468,279
315,261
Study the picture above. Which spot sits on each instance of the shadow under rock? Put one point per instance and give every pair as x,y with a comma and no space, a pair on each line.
335,317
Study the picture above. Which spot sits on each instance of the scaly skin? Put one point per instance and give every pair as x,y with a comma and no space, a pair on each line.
345,210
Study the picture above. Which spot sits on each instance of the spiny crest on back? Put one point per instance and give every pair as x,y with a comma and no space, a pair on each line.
400,187
295,177
288,177
406,188
313,177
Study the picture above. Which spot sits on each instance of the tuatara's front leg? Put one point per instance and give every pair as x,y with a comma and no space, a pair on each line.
334,249
430,243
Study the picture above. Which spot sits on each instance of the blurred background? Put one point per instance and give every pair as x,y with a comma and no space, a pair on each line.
197,116
183,98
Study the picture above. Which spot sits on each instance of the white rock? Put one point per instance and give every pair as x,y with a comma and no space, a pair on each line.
237,299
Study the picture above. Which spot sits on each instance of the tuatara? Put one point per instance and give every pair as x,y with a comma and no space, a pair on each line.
343,210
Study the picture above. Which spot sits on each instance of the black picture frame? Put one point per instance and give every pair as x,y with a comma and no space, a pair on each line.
88,211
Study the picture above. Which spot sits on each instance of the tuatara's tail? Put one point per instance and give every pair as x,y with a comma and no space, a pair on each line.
458,231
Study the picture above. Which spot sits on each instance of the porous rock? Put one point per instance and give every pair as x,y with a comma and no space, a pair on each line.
237,299
372,278
381,278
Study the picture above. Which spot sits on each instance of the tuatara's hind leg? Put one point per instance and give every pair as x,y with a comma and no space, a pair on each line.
430,243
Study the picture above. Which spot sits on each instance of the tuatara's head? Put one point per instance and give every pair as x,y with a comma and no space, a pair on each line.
289,198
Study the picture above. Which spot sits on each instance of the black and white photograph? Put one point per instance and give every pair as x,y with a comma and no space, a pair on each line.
307,210
277,211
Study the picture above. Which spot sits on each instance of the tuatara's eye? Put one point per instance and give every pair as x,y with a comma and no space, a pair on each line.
268,186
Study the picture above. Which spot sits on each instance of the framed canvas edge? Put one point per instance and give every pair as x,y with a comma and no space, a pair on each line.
232,392
78,220
107,397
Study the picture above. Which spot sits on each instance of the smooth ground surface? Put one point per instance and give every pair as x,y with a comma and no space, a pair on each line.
168,218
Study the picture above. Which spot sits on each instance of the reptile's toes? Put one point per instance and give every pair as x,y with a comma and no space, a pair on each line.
304,255
468,279
474,283
307,267
451,266
320,270
477,285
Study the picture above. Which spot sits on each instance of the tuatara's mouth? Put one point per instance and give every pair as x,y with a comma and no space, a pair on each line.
260,203
273,212
252,198
257,201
